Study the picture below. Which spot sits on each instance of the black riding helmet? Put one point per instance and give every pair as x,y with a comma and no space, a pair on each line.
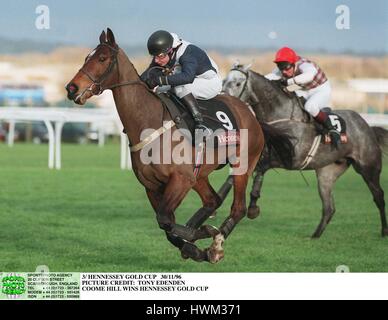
159,42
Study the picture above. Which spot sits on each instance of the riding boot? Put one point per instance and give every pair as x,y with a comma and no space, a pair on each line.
324,119
192,105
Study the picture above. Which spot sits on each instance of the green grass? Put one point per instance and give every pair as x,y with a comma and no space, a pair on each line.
92,217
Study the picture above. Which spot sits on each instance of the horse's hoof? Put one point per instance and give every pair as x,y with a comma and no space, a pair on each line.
253,212
384,232
215,257
316,235
216,253
184,256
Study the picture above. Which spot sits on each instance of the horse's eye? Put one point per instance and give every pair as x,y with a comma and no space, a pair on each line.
238,84
102,59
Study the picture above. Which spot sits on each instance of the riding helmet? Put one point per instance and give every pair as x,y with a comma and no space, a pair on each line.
159,42
286,54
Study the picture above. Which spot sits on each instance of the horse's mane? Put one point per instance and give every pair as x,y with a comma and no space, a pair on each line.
124,55
272,90
271,86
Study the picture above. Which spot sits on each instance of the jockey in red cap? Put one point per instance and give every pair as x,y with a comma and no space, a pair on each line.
314,85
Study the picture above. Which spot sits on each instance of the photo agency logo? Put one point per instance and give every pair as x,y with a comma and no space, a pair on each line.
13,285
42,21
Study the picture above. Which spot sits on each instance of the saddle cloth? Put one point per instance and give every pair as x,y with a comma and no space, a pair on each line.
216,115
337,121
339,125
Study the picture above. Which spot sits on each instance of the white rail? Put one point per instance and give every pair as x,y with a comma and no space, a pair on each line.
58,117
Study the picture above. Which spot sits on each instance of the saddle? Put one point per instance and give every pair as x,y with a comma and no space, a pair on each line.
216,115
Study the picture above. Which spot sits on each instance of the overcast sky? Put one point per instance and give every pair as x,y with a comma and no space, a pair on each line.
308,24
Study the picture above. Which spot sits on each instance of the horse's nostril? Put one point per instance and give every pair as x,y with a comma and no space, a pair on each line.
71,88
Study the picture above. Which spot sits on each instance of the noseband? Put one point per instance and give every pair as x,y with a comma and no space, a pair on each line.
246,74
97,83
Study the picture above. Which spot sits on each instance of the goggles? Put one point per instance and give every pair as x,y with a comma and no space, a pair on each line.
163,54
284,66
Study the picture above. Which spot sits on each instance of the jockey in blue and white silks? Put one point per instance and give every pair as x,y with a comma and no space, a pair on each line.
185,68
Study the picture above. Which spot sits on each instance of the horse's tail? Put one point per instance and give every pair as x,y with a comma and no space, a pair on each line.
280,142
381,136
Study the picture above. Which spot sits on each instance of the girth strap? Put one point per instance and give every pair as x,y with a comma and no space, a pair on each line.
312,152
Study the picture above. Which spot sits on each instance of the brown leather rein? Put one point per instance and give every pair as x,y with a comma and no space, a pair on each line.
98,83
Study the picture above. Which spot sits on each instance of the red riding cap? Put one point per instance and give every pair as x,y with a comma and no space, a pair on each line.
286,54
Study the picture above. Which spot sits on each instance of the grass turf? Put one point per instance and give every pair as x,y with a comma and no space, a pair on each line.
92,217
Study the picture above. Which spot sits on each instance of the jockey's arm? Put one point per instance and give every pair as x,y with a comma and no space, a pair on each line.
189,67
274,75
307,75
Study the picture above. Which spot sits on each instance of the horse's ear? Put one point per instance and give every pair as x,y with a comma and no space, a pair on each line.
111,37
236,64
247,67
102,37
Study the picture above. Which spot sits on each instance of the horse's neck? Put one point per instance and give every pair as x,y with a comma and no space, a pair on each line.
138,108
269,103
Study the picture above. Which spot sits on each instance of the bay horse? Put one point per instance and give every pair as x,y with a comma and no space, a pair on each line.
107,67
273,105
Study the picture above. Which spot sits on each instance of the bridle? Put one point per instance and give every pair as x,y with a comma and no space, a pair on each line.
98,83
96,88
256,101
246,74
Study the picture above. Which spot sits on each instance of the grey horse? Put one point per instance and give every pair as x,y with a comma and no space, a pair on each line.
275,106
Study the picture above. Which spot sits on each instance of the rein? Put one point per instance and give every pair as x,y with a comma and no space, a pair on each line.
254,103
98,83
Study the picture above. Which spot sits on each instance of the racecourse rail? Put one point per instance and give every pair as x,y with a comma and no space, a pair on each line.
55,118
98,117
